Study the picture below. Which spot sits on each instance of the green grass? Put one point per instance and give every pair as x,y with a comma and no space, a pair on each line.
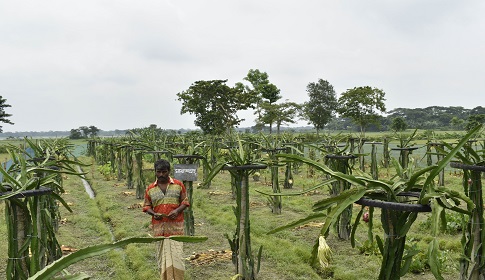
285,254
118,219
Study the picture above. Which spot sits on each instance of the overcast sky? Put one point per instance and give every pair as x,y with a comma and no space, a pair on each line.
119,64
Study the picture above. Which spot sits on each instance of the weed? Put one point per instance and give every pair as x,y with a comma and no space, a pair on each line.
105,170
454,223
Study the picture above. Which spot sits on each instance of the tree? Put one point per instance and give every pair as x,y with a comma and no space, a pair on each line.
257,79
270,93
215,105
479,110
266,95
457,123
321,107
3,115
362,105
442,117
474,120
75,134
279,114
398,124
261,85
85,131
286,113
93,131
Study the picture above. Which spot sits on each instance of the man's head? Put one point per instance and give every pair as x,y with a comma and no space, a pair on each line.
162,170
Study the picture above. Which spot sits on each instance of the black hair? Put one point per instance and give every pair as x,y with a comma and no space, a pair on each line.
162,164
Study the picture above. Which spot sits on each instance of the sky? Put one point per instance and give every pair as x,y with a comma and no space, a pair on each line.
120,64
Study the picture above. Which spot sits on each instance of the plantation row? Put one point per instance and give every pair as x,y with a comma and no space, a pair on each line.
351,169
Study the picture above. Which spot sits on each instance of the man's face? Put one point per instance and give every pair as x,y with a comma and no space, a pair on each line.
162,175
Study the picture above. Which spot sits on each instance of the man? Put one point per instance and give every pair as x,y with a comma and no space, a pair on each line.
165,201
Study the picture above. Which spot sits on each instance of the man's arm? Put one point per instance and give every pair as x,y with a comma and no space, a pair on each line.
174,213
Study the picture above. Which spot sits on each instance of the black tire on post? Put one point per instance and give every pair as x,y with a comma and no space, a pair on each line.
396,206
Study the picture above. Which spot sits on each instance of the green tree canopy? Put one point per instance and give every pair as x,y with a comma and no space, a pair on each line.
279,114
93,131
84,132
266,95
3,115
362,105
257,79
433,116
286,113
265,90
479,110
456,123
398,124
215,105
321,107
270,93
76,134
474,120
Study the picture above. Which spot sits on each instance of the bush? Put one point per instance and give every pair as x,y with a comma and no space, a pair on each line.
105,170
454,223
3,150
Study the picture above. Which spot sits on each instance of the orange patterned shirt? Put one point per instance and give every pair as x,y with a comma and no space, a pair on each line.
160,202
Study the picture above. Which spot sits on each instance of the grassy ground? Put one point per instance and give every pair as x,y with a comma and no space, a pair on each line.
115,214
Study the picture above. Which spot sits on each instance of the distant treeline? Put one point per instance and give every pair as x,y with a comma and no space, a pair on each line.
61,134
429,118
54,134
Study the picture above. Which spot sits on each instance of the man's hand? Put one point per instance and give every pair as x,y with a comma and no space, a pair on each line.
173,214
158,216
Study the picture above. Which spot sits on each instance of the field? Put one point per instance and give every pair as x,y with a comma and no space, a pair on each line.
115,214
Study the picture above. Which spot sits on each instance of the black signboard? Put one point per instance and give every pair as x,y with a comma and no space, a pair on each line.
185,172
